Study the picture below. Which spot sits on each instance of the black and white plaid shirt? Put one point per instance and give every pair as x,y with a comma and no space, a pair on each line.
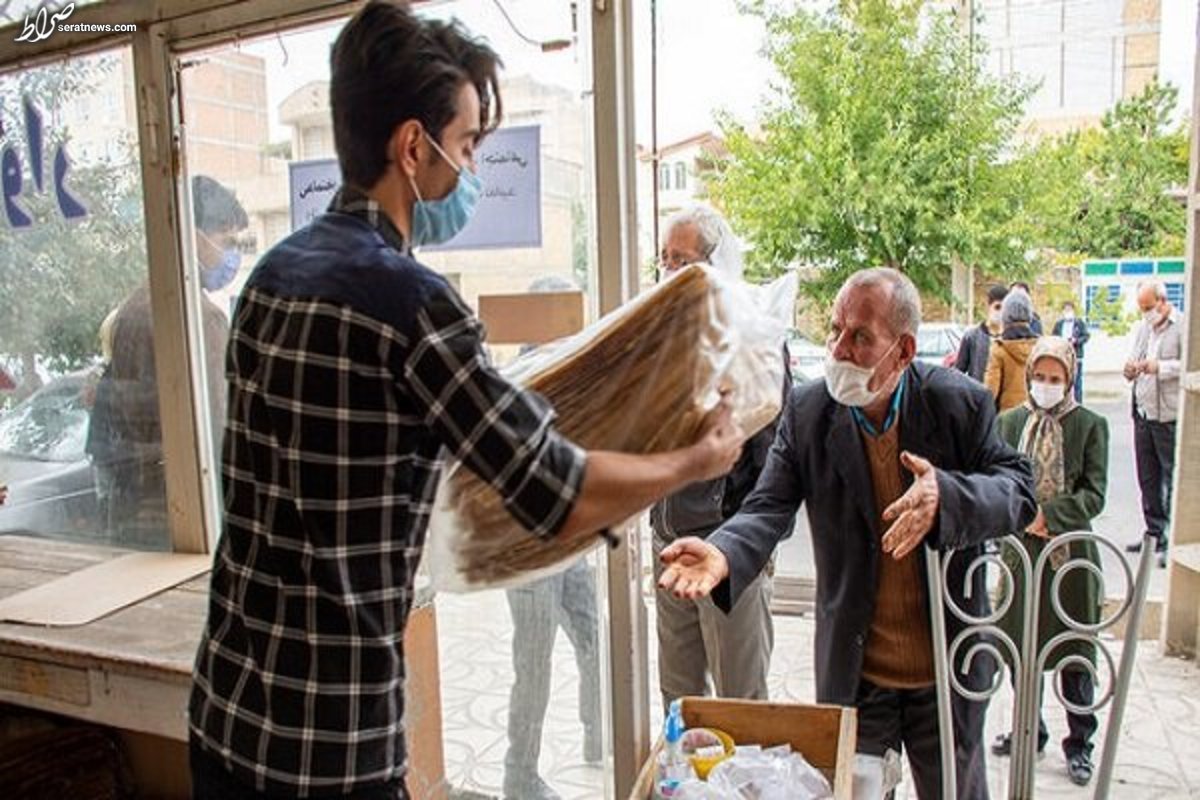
350,367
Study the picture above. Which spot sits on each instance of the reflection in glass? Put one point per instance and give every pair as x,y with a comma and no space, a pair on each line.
72,249
125,439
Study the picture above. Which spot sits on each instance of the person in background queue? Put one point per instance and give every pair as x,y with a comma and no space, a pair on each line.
1035,320
1005,376
977,343
1075,331
1068,447
1154,368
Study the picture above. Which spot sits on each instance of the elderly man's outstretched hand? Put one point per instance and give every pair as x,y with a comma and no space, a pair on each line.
913,515
692,568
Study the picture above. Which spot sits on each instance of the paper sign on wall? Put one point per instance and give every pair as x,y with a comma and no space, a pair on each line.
312,185
509,213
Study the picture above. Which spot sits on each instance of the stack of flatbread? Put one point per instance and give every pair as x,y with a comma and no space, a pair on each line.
639,381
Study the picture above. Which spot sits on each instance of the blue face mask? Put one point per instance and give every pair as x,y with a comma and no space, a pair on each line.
219,276
438,221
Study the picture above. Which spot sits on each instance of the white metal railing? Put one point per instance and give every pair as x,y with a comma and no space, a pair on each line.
1027,661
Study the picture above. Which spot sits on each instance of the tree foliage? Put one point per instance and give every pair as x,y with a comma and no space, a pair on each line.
1110,314
1106,192
884,142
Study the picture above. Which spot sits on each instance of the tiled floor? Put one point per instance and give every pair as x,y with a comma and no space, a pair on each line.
1159,755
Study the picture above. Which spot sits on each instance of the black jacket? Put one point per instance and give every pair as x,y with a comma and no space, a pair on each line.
973,352
1079,332
699,508
985,489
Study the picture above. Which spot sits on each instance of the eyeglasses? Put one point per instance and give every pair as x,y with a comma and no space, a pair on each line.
670,263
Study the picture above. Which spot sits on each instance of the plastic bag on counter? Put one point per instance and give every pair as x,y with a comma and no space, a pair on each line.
773,774
876,776
640,380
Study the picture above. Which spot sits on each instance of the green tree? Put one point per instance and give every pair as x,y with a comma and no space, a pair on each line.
883,143
1110,314
1105,192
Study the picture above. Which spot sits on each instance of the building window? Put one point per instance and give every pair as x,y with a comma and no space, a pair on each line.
664,177
313,142
1175,295
681,175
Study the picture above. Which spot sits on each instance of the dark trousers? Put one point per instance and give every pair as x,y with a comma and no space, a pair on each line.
907,719
1079,380
1078,689
1154,446
211,781
539,609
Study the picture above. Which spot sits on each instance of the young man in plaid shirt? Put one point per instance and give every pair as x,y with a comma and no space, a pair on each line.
351,367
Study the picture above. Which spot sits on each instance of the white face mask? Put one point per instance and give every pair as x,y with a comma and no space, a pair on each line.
849,384
1069,316
1152,317
1047,395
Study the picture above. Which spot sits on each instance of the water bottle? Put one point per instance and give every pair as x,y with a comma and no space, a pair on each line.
673,766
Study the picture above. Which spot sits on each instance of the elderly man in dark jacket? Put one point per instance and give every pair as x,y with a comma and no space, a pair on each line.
887,455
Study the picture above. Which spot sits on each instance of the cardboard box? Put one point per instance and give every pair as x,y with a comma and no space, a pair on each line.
423,707
824,735
531,318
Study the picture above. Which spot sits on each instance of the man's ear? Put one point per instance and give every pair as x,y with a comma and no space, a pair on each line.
405,147
908,348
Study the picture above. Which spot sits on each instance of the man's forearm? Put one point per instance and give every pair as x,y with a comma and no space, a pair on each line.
616,486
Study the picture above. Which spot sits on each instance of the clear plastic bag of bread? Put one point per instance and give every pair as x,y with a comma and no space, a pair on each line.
640,380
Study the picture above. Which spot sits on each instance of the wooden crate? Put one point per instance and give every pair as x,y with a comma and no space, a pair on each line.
824,735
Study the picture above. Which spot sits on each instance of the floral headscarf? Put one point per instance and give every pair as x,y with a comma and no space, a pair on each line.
1042,437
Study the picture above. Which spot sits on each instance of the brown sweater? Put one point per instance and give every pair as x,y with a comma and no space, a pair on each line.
899,652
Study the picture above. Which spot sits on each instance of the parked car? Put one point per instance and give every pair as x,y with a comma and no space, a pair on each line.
938,342
51,490
806,358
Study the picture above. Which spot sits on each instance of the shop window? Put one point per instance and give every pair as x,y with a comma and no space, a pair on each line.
80,437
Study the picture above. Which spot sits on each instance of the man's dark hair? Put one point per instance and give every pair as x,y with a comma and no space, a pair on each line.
389,66
1020,285
996,294
215,208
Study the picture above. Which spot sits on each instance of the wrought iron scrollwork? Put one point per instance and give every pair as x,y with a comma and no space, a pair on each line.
983,637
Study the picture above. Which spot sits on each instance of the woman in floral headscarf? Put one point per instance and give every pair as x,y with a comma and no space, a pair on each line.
1068,445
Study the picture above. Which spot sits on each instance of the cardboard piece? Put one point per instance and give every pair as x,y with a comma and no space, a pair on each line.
531,318
97,591
426,777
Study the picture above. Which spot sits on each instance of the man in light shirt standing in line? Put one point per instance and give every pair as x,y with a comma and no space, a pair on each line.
1153,367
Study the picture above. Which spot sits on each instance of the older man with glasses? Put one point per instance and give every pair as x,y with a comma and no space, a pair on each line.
702,649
